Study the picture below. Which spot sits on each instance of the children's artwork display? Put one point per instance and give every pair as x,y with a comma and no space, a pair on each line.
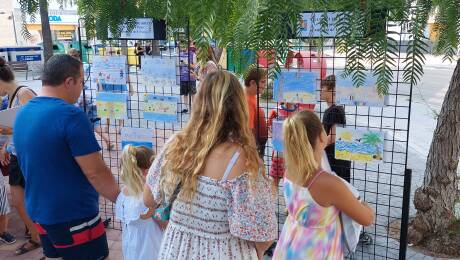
112,105
360,145
159,67
137,137
160,108
295,87
277,135
109,70
367,95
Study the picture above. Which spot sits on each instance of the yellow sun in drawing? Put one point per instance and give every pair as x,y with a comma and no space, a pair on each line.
346,136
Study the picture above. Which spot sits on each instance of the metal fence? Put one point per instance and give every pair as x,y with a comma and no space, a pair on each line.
385,186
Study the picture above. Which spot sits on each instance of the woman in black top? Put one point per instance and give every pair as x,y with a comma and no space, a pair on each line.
334,115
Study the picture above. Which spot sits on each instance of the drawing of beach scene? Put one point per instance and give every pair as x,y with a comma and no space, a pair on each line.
295,87
366,95
159,72
277,135
159,67
109,70
112,105
137,137
359,145
160,108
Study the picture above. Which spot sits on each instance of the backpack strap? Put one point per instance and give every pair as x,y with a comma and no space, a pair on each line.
230,165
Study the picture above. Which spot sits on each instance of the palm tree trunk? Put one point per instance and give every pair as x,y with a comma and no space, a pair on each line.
46,30
435,201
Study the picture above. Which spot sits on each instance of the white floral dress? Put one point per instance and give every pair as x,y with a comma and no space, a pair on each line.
141,238
221,221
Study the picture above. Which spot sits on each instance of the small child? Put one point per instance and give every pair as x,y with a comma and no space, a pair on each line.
277,166
142,236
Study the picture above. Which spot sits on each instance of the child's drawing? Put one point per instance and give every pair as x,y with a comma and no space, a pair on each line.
137,137
295,87
160,108
366,95
109,69
359,145
112,105
277,135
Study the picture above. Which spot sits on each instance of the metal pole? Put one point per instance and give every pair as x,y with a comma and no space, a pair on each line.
14,28
405,214
81,58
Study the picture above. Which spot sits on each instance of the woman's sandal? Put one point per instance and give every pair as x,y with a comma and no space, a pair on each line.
27,233
23,249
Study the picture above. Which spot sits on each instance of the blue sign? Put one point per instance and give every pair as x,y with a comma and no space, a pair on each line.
33,57
54,18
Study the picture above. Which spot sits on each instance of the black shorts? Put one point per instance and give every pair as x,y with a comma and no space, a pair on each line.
16,177
341,167
83,239
187,88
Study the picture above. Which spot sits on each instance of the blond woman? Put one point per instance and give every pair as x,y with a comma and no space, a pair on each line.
224,208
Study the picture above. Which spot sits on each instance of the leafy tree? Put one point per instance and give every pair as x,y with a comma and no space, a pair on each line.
31,8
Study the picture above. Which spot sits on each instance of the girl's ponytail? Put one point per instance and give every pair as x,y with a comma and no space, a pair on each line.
131,174
300,133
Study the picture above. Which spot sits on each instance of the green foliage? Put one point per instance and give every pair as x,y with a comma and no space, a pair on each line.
367,29
413,68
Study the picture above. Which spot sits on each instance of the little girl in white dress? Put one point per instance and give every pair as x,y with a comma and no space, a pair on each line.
141,236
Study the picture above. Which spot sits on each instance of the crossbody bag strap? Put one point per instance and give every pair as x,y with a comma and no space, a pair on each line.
14,95
16,92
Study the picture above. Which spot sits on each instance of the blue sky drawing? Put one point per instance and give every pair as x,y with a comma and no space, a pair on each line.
294,81
161,117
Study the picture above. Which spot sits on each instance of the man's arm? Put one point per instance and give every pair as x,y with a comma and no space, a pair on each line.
99,175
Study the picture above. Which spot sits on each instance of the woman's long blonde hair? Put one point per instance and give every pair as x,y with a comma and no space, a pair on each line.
134,160
300,133
219,115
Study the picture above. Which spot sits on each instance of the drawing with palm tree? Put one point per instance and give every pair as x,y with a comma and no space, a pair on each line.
359,145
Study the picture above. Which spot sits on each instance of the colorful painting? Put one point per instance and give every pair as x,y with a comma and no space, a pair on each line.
277,135
366,95
359,145
109,70
296,87
137,137
112,105
160,108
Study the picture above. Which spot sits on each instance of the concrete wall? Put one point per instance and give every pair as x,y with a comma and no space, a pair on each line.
7,37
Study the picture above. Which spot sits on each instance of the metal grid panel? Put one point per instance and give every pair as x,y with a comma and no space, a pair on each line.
381,185
136,89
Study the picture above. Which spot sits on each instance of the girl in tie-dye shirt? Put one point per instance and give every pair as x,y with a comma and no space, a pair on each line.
314,197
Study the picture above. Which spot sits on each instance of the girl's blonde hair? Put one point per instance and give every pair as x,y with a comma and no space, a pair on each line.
219,115
133,161
300,133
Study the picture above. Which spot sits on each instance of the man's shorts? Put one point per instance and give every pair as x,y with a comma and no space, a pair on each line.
16,177
187,88
83,239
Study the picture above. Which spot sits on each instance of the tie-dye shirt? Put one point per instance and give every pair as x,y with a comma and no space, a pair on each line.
310,231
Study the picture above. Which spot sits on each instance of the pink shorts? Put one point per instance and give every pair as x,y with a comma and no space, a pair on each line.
277,167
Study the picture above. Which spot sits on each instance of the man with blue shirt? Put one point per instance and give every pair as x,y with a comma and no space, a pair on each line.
63,169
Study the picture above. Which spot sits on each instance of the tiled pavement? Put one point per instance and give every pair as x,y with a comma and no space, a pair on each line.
17,229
